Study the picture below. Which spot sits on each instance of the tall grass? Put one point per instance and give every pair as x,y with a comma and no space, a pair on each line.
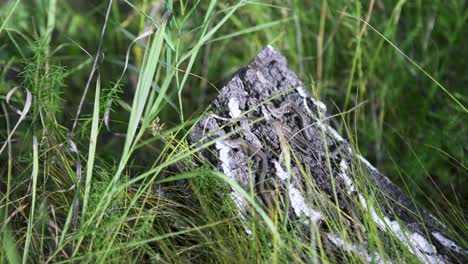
393,74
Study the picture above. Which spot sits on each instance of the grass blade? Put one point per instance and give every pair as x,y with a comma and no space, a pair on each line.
35,172
92,148
9,15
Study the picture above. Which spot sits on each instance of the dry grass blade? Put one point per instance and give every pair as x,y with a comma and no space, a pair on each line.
23,113
93,69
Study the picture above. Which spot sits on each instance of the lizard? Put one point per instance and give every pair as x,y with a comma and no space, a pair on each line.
301,138
291,107
261,177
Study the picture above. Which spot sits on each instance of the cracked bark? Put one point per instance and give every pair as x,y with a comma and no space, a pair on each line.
267,126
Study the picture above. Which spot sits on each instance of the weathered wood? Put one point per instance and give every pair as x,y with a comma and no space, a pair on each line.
271,134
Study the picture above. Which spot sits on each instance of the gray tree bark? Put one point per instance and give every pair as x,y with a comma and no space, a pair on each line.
274,137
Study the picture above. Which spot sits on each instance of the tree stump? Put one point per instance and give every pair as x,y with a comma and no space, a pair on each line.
274,138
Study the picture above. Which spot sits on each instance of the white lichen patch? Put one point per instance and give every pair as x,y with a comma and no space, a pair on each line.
363,160
235,112
422,244
330,129
298,202
240,201
319,122
267,115
304,96
280,172
234,109
448,243
348,247
236,197
302,92
344,175
224,157
321,105
300,206
334,133
261,77
318,103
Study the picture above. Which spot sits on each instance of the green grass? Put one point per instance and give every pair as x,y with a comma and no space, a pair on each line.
83,192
